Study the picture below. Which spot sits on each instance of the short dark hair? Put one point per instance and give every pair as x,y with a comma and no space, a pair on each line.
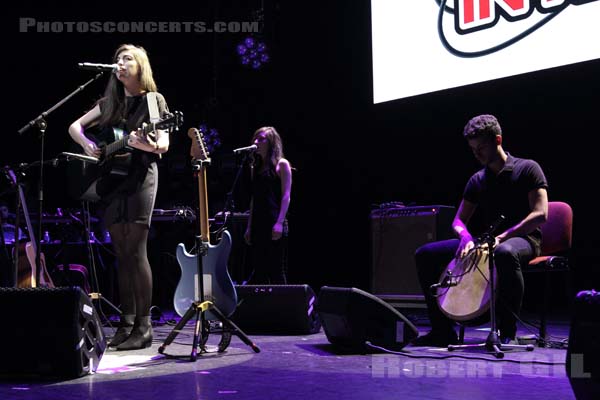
485,125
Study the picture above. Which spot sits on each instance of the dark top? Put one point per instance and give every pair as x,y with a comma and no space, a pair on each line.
132,199
505,194
136,113
266,202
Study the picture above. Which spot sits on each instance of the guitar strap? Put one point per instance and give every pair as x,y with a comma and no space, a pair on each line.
153,111
153,107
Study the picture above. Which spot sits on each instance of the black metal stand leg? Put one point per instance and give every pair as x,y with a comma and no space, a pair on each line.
175,331
199,309
98,296
233,328
492,343
95,295
198,331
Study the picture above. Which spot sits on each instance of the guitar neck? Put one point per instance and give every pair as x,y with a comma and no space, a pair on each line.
27,221
174,120
116,146
203,205
13,177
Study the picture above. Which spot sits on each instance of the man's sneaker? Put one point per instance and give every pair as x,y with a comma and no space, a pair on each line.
436,339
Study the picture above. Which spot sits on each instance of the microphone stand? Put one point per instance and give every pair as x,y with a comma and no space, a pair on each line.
40,123
228,209
229,202
492,343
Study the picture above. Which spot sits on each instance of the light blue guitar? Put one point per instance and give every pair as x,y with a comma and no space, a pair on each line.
217,284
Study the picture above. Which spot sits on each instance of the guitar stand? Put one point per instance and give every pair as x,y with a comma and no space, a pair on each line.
202,327
201,330
492,344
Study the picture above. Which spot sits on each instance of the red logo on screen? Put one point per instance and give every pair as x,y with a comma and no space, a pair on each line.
474,15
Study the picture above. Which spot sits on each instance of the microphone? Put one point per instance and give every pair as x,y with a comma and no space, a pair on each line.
247,148
98,67
81,157
448,282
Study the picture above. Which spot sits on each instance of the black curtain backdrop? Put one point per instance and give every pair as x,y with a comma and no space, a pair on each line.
348,153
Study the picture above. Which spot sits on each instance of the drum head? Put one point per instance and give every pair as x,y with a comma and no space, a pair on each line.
470,298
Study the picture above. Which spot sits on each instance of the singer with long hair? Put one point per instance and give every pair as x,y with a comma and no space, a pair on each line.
271,193
129,206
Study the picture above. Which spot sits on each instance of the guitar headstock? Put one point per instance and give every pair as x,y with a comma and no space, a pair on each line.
170,121
198,149
10,175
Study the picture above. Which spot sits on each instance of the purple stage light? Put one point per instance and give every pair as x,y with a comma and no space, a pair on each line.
252,52
241,49
249,42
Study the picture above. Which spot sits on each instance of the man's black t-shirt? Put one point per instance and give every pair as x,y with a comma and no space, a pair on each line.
505,194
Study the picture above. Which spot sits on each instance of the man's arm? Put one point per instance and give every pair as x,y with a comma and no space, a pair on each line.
466,209
538,204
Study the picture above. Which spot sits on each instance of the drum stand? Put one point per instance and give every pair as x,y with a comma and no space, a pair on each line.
492,344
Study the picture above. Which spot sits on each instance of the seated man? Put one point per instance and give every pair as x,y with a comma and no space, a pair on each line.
513,187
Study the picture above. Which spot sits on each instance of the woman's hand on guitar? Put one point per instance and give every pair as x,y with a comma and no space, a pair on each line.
91,149
139,141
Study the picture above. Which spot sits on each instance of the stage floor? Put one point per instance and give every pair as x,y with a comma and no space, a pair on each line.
308,367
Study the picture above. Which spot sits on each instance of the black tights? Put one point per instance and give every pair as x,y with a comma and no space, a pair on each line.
134,274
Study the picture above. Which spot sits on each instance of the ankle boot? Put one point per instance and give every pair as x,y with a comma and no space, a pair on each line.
141,335
122,333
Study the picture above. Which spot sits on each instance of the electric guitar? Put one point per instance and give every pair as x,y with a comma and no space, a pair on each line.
217,284
114,162
27,272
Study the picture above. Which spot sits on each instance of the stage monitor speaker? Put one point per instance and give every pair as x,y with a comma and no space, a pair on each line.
352,317
276,309
49,332
396,233
583,354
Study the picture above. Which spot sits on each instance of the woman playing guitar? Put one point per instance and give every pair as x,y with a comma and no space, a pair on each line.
127,103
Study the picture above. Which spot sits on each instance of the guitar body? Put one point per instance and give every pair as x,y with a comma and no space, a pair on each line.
218,286
26,276
93,182
99,180
27,271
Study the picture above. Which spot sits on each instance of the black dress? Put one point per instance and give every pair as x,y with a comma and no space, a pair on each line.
268,256
134,199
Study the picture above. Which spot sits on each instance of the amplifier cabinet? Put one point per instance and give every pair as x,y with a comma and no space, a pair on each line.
396,233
